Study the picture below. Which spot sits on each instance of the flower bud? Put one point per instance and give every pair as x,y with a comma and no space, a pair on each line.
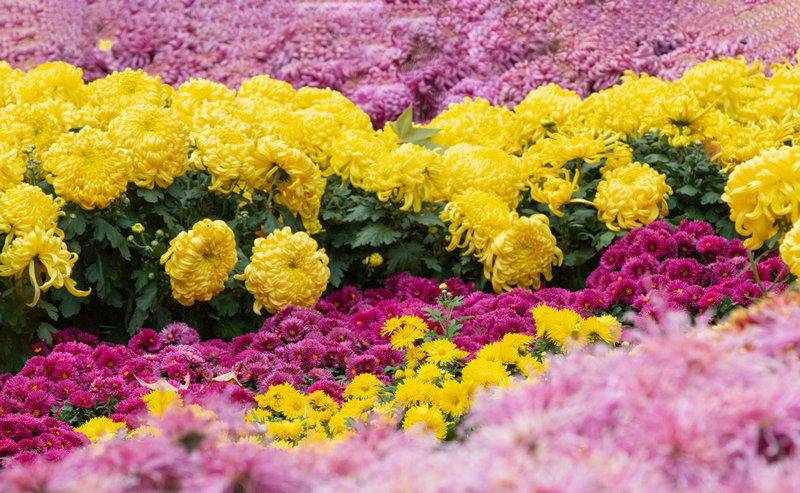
373,260
137,228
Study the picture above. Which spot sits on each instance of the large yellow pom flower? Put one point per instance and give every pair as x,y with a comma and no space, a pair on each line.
476,218
29,127
158,141
53,80
39,253
478,122
521,254
631,196
224,151
12,168
193,94
428,418
88,168
545,110
264,86
198,261
286,268
763,191
25,208
127,88
8,77
790,249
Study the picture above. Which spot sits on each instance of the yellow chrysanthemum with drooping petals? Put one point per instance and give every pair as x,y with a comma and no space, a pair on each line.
402,176
157,141
229,114
354,153
194,93
101,429
225,152
478,122
631,196
522,254
475,218
622,107
286,268
53,80
604,328
121,90
763,192
428,418
26,207
88,168
467,166
198,261
790,249
44,259
302,188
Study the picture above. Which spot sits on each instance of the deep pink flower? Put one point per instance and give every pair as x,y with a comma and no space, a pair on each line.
146,340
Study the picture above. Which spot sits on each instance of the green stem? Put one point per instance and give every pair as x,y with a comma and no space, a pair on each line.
755,271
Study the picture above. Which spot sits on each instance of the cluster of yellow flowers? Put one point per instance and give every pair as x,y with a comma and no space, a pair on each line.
569,331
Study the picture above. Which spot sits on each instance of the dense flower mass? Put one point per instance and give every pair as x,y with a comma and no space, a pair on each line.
198,261
631,196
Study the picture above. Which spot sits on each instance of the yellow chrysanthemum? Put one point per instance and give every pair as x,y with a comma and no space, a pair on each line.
158,143
522,254
30,128
484,373
121,90
223,151
631,196
12,168
194,93
501,353
363,386
263,86
475,218
101,429
406,336
545,110
349,116
275,396
354,153
764,191
605,328
198,261
321,406
44,258
288,430
454,398
428,418
286,268
25,208
158,401
790,249
8,78
53,80
728,84
402,176
478,122
442,352
562,326
413,391
301,188
622,107
467,166
739,142
88,168
229,114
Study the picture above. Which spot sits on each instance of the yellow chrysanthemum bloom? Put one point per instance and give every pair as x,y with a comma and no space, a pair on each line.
605,328
275,396
728,84
555,191
485,373
354,153
347,114
198,261
562,326
8,78
12,168
414,391
428,418
467,166
101,429
739,142
790,249
522,254
288,430
29,127
502,353
309,130
475,218
545,110
402,176
223,151
622,107
763,191
37,254
158,401
406,336
442,352
25,208
194,93
454,397
286,268
363,386
53,80
631,196
302,188
478,122
229,114
321,406
430,373
158,143
88,168
294,405
120,90
265,87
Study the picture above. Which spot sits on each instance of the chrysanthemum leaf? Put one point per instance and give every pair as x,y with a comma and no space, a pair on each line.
376,234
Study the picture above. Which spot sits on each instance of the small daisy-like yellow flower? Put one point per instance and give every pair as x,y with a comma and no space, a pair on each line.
158,401
88,168
363,386
406,335
198,261
101,429
391,325
442,352
286,268
454,398
428,418
605,328
484,373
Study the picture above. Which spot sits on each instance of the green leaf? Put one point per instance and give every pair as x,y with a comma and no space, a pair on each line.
336,267
376,234
362,212
409,134
153,196
605,239
710,198
74,226
45,332
687,190
403,256
68,305
105,230
145,300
